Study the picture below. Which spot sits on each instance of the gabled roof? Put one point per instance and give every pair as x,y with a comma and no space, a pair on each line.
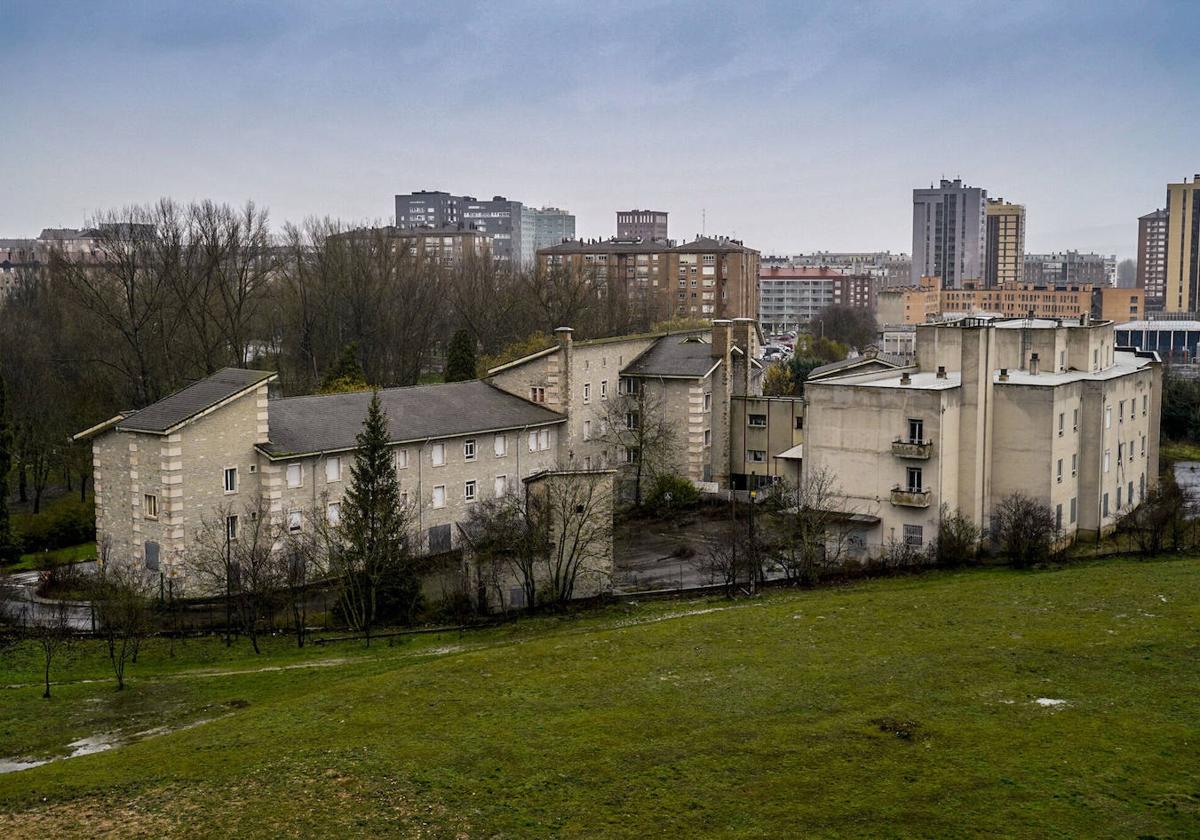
682,355
709,245
331,422
858,364
172,411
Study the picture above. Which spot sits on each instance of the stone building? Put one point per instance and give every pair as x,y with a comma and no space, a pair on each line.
992,407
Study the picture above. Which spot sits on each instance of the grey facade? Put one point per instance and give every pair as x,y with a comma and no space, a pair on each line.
646,225
949,233
1069,268
500,218
1152,257
551,226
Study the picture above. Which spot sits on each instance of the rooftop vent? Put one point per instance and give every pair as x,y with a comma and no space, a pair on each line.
1003,374
1033,364
905,379
941,372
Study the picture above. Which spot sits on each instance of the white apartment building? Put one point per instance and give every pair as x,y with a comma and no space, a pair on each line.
1052,410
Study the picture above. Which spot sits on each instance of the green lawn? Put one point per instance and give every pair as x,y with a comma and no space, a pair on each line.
1180,451
895,708
56,557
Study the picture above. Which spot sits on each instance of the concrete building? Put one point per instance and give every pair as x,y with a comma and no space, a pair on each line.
1005,262
499,217
1152,258
949,233
910,305
1021,301
1176,341
1118,305
990,408
887,268
551,226
220,451
1070,268
710,277
1183,246
446,246
791,296
646,225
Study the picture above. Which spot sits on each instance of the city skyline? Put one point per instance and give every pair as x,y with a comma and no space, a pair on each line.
334,111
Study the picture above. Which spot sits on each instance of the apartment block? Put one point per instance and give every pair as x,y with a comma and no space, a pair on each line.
990,408
949,233
910,305
1005,255
1118,305
502,219
446,246
220,451
1070,268
1183,246
1152,258
550,225
706,278
792,296
1026,300
646,225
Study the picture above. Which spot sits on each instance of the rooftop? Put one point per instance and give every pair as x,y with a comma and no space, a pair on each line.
196,398
331,422
685,355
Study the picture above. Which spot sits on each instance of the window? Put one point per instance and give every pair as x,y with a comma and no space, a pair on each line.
756,456
543,439
537,394
587,392
1129,496
1075,420
333,468
603,389
1058,474
1118,497
231,528
500,486
708,400
439,496
913,478
151,555
1121,411
1145,404
1143,446
469,491
629,385
295,475
150,506
1074,463
914,535
401,459
438,454
468,450
533,441
1106,454
439,538
1120,453
1058,517
1074,508
757,420
916,430
708,437
587,429
1108,417
1104,506
333,513
800,423
1061,422
231,479
294,521
500,446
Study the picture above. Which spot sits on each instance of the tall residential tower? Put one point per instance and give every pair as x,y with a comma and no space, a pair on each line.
1005,256
1183,246
949,233
1152,258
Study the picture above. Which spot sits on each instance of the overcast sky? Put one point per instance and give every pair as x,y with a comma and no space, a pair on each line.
794,126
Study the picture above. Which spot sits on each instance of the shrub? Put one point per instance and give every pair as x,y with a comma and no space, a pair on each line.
1024,529
68,522
957,541
671,494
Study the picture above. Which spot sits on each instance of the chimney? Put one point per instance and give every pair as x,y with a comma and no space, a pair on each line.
721,337
1003,374
1033,364
565,348
905,379
941,372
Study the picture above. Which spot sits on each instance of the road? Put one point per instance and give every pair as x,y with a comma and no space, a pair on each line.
20,604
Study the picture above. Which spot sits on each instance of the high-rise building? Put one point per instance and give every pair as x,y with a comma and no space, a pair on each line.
1068,268
949,233
550,227
646,225
1183,246
499,217
1005,243
1152,258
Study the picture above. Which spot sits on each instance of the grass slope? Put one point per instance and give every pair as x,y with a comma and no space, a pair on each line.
895,708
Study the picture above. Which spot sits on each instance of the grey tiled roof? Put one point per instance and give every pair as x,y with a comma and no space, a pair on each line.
681,354
884,360
330,422
170,411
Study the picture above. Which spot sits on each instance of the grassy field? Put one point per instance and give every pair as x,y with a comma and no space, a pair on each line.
991,703
56,557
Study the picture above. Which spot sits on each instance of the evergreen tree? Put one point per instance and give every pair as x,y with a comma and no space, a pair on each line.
373,557
460,357
9,550
346,373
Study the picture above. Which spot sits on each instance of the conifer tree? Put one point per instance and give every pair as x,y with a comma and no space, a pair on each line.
460,357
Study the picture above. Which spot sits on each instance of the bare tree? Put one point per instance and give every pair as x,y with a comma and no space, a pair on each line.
1024,529
813,517
1160,521
733,558
635,424
575,510
507,540
303,559
52,631
121,594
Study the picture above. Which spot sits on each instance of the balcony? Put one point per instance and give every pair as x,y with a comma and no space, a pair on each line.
919,449
911,497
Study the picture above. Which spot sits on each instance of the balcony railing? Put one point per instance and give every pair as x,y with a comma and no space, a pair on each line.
906,448
911,497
